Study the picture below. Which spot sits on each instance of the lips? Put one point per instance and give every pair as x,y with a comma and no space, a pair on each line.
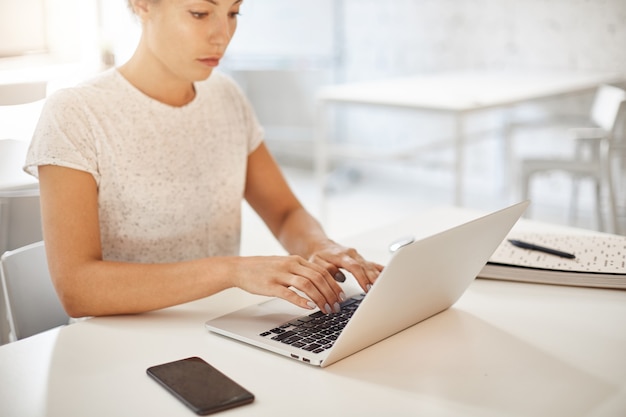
210,61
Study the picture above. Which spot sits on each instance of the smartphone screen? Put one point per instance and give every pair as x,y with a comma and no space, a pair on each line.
200,386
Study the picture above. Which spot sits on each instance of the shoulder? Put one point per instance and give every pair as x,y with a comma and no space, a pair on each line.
103,94
98,88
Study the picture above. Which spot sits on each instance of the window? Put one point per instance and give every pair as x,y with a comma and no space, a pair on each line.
22,27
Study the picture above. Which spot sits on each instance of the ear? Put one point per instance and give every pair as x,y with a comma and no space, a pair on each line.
140,7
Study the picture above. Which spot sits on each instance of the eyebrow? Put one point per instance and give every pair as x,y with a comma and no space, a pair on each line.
214,2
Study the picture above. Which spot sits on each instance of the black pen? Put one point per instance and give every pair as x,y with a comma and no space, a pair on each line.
532,246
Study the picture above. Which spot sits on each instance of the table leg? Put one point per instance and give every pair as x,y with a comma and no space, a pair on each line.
4,243
321,162
509,180
4,225
459,158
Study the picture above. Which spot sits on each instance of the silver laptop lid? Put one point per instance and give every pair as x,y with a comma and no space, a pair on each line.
424,278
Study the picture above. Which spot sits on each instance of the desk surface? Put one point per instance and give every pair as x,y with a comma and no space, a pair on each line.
466,90
504,349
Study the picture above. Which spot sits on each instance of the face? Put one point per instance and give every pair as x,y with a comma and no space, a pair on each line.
187,38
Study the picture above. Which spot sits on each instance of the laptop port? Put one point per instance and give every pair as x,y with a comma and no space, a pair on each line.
306,360
295,356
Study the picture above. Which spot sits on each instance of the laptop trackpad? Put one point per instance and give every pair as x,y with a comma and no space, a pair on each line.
259,317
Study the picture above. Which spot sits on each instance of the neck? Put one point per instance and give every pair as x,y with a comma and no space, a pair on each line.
157,83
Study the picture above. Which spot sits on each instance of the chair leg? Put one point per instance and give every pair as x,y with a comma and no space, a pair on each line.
612,200
573,208
599,214
526,178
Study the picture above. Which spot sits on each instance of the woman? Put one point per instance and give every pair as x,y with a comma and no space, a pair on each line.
142,173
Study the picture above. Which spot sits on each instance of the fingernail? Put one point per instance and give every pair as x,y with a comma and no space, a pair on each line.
342,296
340,277
368,287
311,304
337,308
327,309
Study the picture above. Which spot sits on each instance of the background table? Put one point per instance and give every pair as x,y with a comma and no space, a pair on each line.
458,94
504,349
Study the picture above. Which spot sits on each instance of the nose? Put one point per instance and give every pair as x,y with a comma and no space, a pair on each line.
222,30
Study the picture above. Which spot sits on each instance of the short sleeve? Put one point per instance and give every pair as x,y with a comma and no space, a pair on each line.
64,136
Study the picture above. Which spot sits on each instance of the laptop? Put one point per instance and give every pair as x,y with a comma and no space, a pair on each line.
422,279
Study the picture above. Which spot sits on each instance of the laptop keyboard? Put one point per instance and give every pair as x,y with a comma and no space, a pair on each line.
317,331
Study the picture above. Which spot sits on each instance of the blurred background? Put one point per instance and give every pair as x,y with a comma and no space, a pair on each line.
286,51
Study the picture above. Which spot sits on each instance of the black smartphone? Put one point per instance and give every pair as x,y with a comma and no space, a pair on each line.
200,386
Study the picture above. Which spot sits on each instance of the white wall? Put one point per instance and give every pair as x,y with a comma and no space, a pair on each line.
22,27
408,36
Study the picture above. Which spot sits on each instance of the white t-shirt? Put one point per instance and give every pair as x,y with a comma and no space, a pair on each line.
170,179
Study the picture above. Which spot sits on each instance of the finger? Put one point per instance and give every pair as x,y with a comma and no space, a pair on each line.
331,268
365,273
355,265
334,272
309,289
294,298
349,259
317,283
373,270
296,289
332,263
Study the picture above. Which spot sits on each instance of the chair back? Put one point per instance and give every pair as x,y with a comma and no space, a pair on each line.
606,106
31,300
20,219
22,93
20,108
12,157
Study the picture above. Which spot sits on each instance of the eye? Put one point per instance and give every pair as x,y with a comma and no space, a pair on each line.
233,15
198,15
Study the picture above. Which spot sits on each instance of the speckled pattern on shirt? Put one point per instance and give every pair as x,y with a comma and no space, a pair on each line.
170,179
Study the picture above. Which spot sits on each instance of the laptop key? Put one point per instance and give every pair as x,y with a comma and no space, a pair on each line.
290,340
317,331
284,335
312,347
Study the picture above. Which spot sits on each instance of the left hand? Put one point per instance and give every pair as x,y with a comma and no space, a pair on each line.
333,256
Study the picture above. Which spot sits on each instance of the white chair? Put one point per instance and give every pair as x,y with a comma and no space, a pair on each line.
595,151
20,107
20,221
32,304
12,156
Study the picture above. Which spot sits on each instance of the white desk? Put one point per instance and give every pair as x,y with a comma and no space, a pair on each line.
456,93
505,349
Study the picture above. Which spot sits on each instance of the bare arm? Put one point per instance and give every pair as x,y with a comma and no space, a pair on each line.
86,284
269,194
90,286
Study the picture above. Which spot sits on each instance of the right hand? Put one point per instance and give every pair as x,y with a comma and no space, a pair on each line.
278,276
